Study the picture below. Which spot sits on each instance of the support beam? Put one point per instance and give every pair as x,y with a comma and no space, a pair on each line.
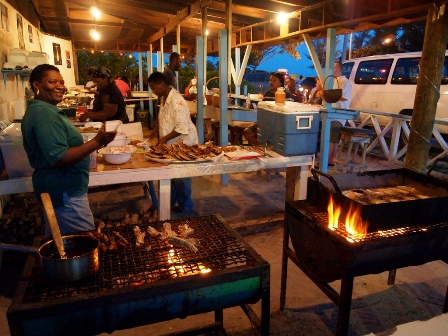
183,15
151,105
223,76
200,85
326,119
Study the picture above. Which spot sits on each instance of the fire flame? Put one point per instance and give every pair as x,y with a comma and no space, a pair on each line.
354,225
179,267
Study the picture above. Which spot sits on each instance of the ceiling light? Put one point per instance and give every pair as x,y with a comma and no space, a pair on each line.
94,34
282,17
95,12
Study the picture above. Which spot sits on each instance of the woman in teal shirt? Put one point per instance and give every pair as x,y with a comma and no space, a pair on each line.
57,152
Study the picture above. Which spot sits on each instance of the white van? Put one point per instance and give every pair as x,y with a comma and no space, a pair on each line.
387,83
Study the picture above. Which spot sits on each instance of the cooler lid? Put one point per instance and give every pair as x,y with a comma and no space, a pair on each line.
289,107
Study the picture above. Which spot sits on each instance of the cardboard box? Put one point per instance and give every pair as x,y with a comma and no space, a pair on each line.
291,128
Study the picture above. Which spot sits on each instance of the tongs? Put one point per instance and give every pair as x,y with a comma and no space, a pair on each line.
262,151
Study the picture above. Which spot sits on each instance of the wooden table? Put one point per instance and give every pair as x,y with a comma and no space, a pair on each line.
140,170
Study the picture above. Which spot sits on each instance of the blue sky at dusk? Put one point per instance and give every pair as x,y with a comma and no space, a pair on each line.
294,66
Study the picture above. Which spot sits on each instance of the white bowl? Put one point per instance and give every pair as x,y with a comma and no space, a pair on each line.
117,158
117,155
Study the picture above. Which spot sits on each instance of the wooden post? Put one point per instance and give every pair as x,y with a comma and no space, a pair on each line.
428,89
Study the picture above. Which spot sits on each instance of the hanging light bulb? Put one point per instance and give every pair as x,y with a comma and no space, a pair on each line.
282,17
206,32
94,34
95,12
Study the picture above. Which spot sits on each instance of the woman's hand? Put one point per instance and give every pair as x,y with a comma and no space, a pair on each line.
103,137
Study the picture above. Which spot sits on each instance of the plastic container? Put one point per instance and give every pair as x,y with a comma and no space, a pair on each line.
291,128
280,95
14,155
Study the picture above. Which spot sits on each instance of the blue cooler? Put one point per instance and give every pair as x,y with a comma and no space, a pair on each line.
291,128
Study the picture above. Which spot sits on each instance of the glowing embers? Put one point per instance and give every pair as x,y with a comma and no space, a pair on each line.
179,268
355,228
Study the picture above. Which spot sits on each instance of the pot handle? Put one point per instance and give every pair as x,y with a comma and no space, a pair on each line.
19,248
54,226
316,172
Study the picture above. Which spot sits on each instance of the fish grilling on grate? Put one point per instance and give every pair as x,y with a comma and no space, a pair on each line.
384,195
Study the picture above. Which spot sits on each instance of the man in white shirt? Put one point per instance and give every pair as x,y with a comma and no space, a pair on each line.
175,124
340,82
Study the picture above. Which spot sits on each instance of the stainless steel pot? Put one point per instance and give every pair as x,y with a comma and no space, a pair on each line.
82,257
83,100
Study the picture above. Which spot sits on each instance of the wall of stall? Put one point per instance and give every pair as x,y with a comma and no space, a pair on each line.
16,32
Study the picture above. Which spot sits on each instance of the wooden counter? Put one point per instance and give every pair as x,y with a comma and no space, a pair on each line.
140,170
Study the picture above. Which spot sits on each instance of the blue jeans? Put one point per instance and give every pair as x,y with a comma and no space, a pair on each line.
74,216
181,194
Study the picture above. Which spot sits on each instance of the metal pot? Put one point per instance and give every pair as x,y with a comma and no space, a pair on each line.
83,100
82,257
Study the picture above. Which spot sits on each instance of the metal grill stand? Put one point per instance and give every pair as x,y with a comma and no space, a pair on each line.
325,256
139,286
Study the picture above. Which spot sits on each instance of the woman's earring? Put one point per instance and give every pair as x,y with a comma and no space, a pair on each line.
37,93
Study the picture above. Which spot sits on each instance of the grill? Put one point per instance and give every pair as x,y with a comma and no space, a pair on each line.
138,286
326,255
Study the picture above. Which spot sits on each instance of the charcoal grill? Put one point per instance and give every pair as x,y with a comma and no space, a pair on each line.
138,286
326,255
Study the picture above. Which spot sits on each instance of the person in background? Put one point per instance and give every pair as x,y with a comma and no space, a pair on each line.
170,70
291,86
90,85
109,103
57,152
275,81
123,84
343,83
175,125
317,94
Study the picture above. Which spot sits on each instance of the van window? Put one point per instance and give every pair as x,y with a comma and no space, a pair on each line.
407,70
347,69
373,71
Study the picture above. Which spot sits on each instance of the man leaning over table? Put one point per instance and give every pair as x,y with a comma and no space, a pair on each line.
175,125
343,83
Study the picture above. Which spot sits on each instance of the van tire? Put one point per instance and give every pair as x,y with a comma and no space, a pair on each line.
403,139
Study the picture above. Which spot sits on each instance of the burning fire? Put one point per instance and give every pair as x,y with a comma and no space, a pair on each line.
179,267
354,225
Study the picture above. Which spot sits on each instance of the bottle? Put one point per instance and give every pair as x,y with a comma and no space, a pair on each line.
280,95
248,102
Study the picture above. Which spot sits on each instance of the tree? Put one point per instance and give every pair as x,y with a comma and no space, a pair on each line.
118,63
259,56
389,40
320,45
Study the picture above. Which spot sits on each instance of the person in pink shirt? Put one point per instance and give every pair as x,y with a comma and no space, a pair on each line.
122,83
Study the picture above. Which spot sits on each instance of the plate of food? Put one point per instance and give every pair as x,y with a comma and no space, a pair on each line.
182,153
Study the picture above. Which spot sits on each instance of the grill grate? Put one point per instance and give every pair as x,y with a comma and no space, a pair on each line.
322,218
218,249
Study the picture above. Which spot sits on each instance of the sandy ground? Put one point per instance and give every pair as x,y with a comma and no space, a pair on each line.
254,207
